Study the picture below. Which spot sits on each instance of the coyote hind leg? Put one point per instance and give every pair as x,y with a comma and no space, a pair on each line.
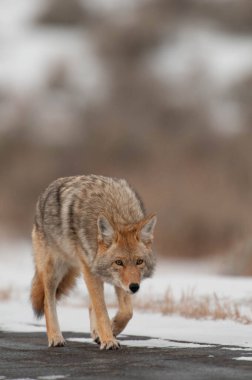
51,280
48,275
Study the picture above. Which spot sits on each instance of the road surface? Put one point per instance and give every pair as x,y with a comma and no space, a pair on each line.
26,356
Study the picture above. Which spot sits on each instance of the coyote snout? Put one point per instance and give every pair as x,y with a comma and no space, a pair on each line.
134,287
96,226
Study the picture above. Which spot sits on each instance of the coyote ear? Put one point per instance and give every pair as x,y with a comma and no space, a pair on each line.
105,230
147,229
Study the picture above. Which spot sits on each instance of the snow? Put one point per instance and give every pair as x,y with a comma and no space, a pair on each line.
236,349
182,278
190,330
247,358
150,343
52,377
16,271
17,316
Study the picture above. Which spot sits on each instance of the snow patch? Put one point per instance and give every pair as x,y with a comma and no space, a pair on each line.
149,343
51,377
247,358
23,378
161,343
236,348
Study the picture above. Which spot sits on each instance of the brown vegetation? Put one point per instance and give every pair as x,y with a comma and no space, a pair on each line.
188,305
198,307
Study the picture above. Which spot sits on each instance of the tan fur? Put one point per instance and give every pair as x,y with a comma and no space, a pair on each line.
124,313
37,295
95,226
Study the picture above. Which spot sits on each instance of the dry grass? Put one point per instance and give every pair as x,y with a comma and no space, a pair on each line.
190,305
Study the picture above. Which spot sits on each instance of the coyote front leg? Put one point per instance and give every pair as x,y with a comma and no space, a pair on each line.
96,293
124,313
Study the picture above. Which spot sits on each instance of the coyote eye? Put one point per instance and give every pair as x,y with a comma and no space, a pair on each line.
139,262
119,262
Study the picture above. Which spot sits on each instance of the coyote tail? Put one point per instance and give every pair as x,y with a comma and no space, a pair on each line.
37,295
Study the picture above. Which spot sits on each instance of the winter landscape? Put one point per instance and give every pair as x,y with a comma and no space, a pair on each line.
157,92
180,303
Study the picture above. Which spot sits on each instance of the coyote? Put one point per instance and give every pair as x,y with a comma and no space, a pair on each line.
95,226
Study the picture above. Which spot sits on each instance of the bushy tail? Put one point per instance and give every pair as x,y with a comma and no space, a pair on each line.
37,295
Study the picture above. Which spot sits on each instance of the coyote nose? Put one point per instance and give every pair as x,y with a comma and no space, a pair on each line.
134,287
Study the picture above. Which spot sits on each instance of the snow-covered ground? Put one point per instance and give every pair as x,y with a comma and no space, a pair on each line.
16,270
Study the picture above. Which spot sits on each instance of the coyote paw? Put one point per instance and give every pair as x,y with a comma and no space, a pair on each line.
110,344
56,341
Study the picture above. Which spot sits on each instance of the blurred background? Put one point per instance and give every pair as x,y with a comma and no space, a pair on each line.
156,91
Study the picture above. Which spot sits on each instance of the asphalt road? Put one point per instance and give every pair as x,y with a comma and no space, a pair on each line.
26,356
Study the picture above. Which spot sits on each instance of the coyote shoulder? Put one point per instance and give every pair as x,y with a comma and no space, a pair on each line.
95,226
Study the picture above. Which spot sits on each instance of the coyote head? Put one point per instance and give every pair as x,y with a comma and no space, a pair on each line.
124,255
